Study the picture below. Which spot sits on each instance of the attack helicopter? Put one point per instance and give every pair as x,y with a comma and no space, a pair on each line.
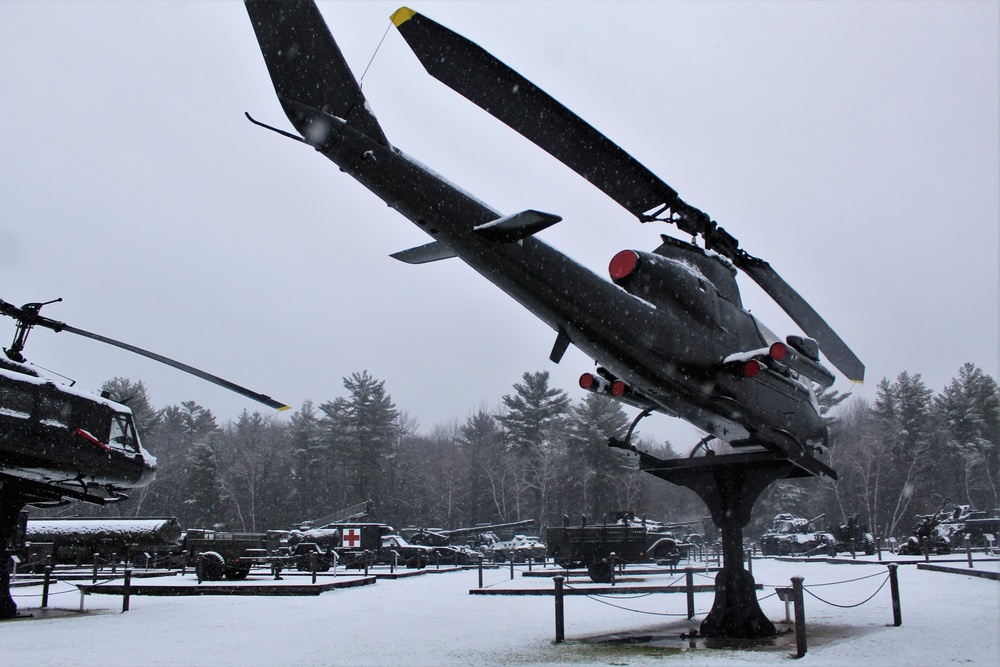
59,444
668,332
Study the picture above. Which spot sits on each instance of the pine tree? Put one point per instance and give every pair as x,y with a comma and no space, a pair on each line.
178,428
969,410
370,430
905,429
312,463
533,427
202,504
482,445
591,468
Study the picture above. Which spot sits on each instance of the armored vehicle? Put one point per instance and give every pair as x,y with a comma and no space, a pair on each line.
794,536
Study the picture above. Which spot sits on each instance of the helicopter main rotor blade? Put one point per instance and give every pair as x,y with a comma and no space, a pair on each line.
27,316
260,398
471,71
478,76
832,345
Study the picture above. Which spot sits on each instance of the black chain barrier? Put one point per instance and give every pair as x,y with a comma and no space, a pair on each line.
596,597
847,606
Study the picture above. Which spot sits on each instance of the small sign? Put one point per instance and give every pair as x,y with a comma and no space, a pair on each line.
352,537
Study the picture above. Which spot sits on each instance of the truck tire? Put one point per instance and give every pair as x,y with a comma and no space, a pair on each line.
601,571
237,573
213,566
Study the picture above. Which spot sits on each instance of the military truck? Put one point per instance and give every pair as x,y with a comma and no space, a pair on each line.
219,554
356,544
599,548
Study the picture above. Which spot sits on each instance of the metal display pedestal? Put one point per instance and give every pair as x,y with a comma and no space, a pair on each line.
730,485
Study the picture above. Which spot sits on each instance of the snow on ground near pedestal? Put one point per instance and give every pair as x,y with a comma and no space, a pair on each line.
433,620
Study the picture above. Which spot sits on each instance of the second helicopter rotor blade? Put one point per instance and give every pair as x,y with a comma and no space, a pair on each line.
814,326
243,391
474,73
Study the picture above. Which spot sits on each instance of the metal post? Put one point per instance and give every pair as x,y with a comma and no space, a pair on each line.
800,617
199,568
897,614
126,589
560,629
480,570
968,550
365,556
45,586
927,549
689,585
512,566
114,563
97,562
312,565
878,548
854,549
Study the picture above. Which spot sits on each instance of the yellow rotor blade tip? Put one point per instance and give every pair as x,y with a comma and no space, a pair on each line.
401,16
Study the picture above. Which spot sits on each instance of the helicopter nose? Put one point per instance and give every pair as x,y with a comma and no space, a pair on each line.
148,471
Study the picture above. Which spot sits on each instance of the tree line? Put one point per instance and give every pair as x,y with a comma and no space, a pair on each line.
538,454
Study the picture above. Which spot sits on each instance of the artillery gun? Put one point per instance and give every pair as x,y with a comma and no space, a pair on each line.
949,526
854,535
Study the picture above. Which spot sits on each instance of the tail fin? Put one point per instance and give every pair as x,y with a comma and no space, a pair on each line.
307,68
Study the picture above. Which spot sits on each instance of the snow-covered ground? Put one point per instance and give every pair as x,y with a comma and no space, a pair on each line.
432,619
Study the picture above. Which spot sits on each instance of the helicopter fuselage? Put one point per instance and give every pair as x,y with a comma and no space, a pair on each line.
670,349
68,440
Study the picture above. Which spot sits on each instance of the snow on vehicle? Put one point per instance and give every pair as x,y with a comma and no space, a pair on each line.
75,541
795,536
405,553
519,549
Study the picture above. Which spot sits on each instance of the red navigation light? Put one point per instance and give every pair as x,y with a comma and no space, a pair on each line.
778,351
752,368
617,388
587,381
623,264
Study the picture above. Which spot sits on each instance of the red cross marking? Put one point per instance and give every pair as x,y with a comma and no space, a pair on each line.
352,537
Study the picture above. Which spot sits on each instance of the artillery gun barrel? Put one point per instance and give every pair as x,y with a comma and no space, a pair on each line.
457,532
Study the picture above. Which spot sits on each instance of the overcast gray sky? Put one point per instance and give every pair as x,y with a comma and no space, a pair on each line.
853,145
